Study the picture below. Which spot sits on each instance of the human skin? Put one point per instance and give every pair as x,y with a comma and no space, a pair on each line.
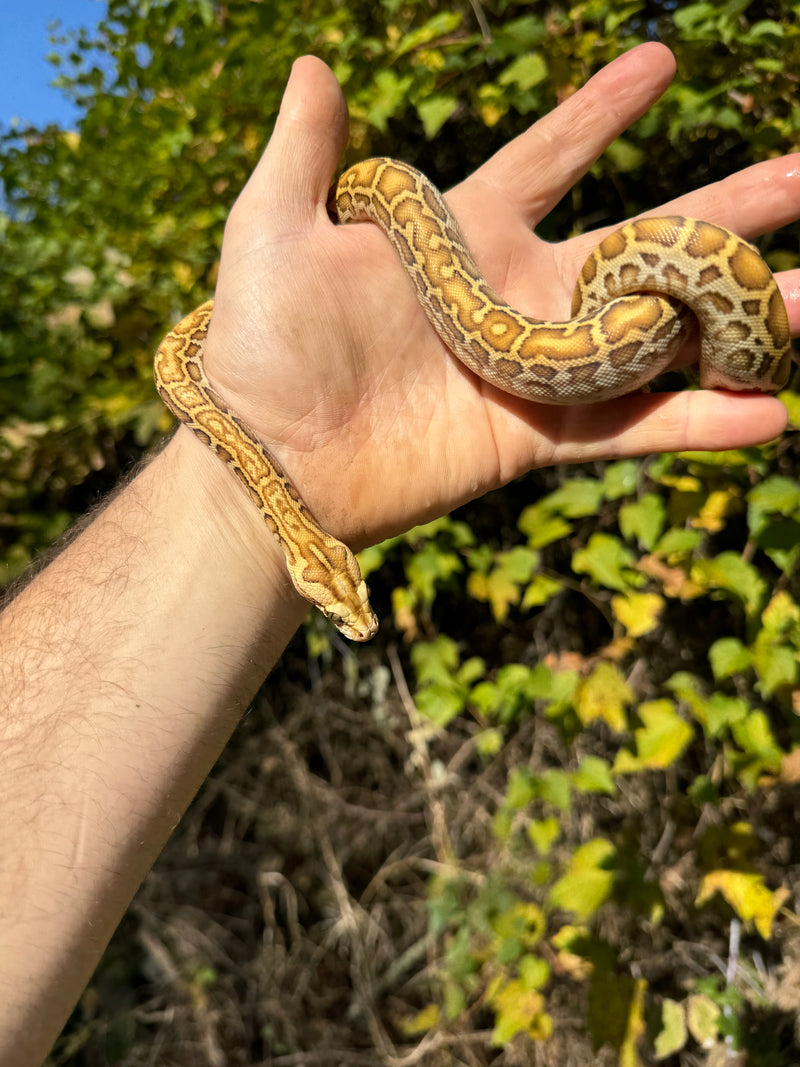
127,662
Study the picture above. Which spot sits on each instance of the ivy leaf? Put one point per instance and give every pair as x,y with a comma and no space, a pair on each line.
594,776
387,96
747,894
439,703
672,1036
703,1018
430,567
620,479
525,71
440,25
517,1010
717,507
735,575
540,590
543,834
588,881
643,519
576,498
638,612
604,695
659,742
607,562
728,656
541,527
435,111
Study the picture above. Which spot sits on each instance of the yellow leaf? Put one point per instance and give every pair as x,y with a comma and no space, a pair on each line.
703,1019
638,612
495,587
421,1022
184,275
683,483
659,742
747,895
517,1010
628,1056
604,695
719,504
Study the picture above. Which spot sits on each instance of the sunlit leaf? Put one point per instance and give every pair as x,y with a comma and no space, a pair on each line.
604,695
672,1035
588,881
747,894
638,612
659,742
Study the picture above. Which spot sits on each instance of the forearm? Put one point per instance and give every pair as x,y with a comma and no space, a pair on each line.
124,667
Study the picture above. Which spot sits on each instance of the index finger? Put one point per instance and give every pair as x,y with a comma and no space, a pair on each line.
537,168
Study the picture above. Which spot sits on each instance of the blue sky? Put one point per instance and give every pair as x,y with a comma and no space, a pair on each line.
24,74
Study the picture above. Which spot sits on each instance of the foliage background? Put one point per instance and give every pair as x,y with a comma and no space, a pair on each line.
549,816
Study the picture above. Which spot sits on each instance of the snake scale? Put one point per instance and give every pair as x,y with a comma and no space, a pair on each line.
629,317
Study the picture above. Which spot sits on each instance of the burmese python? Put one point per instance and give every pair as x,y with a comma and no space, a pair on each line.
614,343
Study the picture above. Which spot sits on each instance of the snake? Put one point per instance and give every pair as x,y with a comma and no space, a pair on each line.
637,299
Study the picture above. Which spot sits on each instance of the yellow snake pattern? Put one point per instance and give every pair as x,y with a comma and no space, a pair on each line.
635,303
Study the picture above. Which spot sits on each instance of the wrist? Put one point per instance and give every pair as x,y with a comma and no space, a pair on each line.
235,539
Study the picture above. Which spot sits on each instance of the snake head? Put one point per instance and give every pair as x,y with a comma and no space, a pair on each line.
360,625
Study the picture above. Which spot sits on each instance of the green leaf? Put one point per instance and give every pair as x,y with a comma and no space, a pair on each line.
576,498
388,95
541,527
435,661
435,111
539,591
776,666
659,742
677,544
439,703
588,881
533,972
430,567
554,788
728,656
440,25
643,519
672,1036
607,562
525,72
728,571
543,834
594,776
620,479
625,155
521,788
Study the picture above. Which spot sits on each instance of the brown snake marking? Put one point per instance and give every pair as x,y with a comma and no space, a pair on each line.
634,305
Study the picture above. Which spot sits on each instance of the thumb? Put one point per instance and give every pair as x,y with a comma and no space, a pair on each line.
295,172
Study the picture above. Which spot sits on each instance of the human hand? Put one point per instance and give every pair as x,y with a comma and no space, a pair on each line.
319,344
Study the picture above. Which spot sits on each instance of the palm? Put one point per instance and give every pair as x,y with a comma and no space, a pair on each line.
336,367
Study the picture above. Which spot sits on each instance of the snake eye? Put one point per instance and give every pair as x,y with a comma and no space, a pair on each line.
334,618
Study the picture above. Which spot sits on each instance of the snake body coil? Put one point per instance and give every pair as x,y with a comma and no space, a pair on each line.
634,304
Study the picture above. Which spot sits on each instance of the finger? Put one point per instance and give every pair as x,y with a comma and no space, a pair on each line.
310,133
789,282
639,423
537,168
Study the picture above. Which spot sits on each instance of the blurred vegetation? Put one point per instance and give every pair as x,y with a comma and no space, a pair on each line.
550,815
